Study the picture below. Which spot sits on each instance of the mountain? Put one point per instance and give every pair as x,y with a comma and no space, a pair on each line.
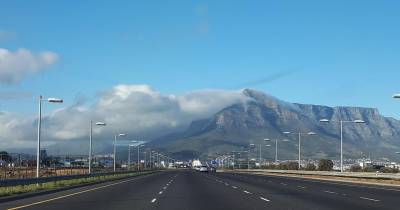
264,116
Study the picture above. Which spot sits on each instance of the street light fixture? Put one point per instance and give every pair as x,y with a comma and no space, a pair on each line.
341,134
90,142
115,145
396,96
299,135
50,100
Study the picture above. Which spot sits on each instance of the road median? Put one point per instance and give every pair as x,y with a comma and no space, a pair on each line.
7,192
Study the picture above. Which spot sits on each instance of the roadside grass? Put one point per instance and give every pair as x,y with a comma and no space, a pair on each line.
19,189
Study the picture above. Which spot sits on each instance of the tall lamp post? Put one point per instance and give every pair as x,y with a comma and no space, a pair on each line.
145,158
129,154
341,134
265,140
299,135
90,142
115,148
138,155
276,147
50,100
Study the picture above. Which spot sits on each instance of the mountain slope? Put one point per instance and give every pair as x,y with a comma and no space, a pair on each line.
264,116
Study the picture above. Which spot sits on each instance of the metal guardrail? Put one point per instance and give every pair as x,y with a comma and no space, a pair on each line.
29,181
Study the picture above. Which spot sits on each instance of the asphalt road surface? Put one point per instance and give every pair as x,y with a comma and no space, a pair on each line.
190,190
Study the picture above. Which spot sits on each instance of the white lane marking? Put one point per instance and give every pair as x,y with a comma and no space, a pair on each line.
247,192
330,192
370,199
234,187
344,194
167,184
154,200
77,193
164,188
226,184
302,187
160,192
283,184
264,199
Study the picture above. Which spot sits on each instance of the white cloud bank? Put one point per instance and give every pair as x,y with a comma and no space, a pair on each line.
15,66
139,110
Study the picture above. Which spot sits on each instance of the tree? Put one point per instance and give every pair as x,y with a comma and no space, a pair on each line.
5,156
311,167
325,165
356,168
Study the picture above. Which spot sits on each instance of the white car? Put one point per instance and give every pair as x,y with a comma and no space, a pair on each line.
203,169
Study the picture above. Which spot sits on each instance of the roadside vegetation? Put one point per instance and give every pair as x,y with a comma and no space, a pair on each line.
19,189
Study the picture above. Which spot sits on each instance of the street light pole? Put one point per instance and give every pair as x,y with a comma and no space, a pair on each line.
276,150
341,134
50,100
341,145
299,150
90,143
115,144
151,163
38,139
90,147
138,158
145,160
115,148
129,157
260,155
299,136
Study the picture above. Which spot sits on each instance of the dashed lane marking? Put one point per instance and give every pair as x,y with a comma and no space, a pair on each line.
370,199
330,192
264,199
154,200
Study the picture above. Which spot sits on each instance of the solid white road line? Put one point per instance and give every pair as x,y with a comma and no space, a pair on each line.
154,200
264,199
72,194
370,199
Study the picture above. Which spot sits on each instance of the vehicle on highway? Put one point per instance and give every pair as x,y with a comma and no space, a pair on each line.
203,169
212,169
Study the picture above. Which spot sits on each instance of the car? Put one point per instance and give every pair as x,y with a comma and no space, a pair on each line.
203,169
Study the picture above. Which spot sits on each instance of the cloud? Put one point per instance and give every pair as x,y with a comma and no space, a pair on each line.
15,66
138,110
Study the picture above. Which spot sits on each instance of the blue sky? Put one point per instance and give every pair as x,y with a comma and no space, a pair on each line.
335,53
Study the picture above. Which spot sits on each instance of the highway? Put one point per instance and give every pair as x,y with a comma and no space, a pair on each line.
191,190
